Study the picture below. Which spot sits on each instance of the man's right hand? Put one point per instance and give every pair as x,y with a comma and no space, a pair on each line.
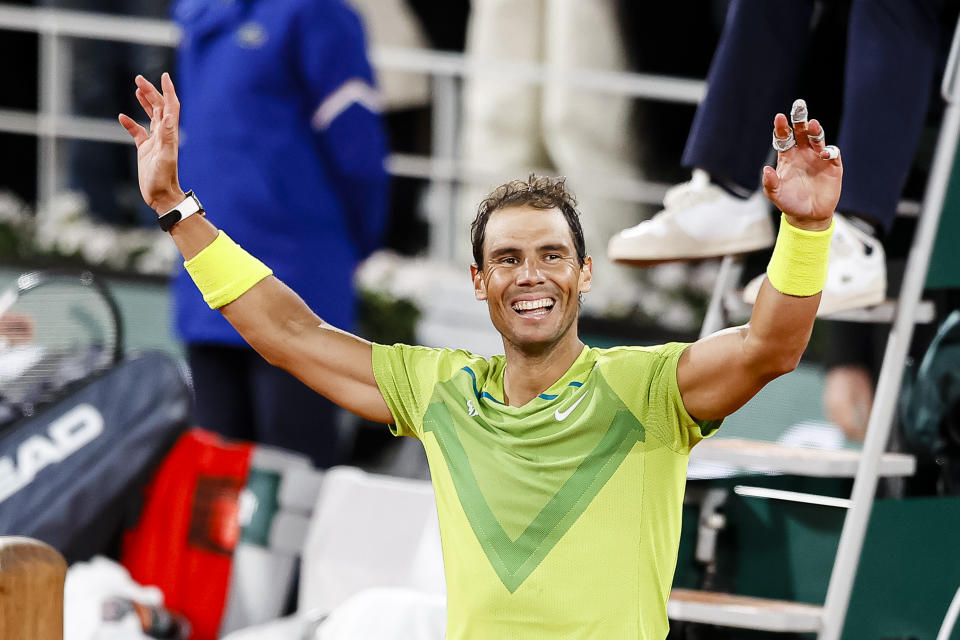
270,317
157,149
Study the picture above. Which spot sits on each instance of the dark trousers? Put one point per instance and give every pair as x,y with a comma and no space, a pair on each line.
892,48
240,395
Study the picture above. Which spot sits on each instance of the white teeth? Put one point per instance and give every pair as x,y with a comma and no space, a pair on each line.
527,305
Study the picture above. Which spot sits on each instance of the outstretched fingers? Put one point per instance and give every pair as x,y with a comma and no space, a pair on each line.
137,132
818,143
147,92
784,141
163,109
816,136
147,107
832,154
783,138
798,118
151,100
171,101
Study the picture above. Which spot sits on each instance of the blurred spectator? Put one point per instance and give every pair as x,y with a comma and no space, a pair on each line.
853,356
107,173
512,126
848,399
391,23
892,47
406,105
281,124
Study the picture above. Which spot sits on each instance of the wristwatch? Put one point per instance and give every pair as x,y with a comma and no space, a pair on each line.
189,206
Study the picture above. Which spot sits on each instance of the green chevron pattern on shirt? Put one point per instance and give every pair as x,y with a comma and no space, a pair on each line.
514,557
559,519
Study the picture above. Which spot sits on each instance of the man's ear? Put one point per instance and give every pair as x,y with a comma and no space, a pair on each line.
479,286
586,275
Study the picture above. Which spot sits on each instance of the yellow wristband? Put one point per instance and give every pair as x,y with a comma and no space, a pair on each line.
223,271
799,263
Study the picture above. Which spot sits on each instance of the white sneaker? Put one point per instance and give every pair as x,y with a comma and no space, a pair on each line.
856,277
699,220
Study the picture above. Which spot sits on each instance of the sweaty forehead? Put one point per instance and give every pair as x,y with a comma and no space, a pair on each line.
527,227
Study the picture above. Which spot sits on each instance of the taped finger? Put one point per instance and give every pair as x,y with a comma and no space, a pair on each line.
830,152
799,113
816,138
783,144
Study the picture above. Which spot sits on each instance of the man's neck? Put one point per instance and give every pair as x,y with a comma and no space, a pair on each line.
527,374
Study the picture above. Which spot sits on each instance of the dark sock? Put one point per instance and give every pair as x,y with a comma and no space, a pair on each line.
731,187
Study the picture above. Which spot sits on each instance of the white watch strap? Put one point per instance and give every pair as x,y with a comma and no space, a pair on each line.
186,208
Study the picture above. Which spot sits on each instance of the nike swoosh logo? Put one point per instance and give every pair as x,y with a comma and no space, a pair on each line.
562,415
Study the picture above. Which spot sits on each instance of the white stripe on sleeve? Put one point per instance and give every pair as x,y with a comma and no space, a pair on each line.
353,91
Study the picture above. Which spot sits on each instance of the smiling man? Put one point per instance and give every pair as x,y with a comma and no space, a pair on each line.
558,469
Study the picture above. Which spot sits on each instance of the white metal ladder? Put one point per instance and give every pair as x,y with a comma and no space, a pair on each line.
866,466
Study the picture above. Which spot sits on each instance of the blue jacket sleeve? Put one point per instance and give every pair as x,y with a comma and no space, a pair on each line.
345,116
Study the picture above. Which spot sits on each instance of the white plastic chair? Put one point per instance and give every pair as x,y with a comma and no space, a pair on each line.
367,531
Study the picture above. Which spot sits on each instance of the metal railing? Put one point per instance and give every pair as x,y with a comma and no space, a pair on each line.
52,122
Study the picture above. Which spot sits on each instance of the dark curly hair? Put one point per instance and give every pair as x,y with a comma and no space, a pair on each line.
540,192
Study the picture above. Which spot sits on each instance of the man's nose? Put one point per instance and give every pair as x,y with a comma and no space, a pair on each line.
529,273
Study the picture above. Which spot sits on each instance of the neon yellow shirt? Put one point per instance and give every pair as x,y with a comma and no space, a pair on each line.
561,518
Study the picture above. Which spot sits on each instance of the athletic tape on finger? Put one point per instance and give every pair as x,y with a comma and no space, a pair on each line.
783,144
799,113
817,138
832,152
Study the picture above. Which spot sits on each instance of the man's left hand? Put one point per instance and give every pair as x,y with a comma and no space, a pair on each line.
806,183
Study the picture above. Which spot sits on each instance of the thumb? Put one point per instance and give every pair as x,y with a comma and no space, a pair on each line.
770,179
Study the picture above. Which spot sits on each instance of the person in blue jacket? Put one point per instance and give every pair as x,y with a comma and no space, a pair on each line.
281,125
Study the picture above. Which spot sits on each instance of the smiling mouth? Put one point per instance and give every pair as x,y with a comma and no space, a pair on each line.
533,308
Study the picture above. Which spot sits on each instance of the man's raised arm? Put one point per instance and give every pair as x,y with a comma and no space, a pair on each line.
269,315
721,372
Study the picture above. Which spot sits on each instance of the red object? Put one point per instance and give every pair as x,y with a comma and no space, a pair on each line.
184,540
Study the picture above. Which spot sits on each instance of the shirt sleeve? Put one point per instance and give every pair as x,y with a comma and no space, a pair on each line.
687,430
345,116
646,379
406,376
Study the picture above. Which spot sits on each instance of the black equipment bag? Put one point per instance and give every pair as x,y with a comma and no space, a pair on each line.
69,473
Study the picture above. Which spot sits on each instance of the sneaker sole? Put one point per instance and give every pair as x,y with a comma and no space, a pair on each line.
730,249
862,301
869,299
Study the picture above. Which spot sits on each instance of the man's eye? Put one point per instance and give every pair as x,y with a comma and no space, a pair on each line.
509,260
553,256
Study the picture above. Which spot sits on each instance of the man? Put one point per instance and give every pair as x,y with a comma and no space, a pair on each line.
558,469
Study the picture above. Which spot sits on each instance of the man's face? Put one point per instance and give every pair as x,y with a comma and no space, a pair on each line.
531,277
